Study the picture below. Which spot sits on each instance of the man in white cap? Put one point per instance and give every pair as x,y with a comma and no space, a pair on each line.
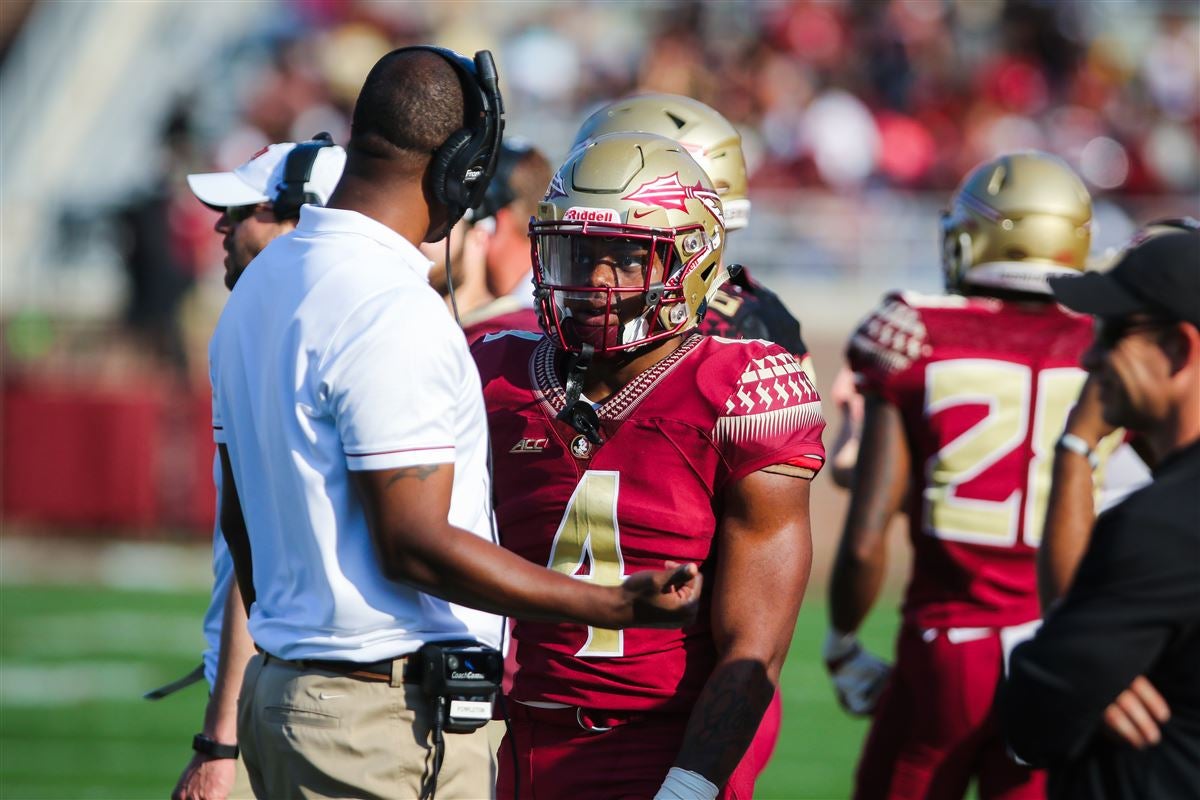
257,202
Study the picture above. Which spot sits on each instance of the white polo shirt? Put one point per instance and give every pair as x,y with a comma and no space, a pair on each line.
334,354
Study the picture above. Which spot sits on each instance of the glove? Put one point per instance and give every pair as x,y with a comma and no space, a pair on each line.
858,677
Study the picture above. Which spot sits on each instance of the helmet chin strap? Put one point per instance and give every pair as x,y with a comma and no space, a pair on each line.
639,327
578,413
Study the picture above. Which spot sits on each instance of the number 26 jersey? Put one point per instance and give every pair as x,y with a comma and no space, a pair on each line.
984,387
673,439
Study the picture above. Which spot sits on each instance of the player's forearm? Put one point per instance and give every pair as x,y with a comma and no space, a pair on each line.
854,586
1070,515
880,486
220,715
726,717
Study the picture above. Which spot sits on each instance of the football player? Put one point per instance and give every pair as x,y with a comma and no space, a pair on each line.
966,395
623,438
741,308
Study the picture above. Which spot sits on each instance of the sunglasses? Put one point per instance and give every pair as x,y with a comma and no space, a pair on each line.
236,214
1111,331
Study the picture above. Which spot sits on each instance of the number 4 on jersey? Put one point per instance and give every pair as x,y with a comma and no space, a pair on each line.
588,534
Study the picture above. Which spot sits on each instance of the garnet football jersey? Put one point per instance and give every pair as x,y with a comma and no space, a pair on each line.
984,387
674,439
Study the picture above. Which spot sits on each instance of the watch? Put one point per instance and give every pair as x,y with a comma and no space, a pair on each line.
211,747
1076,445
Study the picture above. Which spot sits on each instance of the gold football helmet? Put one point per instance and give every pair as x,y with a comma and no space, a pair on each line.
706,135
1013,222
626,244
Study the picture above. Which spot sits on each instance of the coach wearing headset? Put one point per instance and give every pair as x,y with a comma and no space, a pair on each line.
352,436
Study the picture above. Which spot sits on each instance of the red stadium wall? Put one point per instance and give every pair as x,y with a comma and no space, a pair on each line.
136,460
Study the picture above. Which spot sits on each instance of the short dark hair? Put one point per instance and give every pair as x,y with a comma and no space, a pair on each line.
409,105
529,179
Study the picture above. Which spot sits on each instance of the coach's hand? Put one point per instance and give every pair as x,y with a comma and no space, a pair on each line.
1135,716
664,598
858,677
206,778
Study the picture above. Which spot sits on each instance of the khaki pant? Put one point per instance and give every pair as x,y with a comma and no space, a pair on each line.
241,783
318,734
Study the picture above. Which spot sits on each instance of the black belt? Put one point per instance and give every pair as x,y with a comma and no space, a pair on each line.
407,667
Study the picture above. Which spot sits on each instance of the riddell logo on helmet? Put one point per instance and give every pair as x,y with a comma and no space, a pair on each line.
581,214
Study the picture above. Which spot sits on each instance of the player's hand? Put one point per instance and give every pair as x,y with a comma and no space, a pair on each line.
206,778
1135,715
858,677
664,598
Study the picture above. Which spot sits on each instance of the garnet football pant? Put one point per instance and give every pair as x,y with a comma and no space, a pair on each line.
935,727
557,756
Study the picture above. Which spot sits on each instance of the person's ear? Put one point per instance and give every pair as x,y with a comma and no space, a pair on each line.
1182,346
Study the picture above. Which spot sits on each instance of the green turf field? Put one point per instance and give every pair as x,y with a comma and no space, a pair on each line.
74,661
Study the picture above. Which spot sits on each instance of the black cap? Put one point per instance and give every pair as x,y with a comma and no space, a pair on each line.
1158,276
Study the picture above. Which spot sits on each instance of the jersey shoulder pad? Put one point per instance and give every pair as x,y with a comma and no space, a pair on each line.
891,337
763,378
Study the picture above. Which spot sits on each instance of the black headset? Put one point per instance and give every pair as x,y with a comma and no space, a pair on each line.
297,172
463,166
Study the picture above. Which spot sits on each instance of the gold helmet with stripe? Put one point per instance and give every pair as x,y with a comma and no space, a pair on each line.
1015,221
705,134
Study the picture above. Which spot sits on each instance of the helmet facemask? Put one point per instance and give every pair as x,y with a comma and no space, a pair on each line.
616,287
626,245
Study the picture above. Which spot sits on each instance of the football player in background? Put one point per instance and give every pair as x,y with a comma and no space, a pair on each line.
522,175
625,438
466,248
742,308
489,248
965,397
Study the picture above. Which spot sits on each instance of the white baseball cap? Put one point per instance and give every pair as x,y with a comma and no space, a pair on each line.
260,179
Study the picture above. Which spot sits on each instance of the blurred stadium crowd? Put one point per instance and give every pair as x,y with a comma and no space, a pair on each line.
858,118
906,94
833,98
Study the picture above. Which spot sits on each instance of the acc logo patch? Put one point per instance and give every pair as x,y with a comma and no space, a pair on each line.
530,445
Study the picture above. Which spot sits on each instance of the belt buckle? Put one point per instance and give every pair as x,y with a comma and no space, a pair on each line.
586,726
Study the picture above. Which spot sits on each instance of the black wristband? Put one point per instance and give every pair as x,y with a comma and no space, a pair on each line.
211,747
